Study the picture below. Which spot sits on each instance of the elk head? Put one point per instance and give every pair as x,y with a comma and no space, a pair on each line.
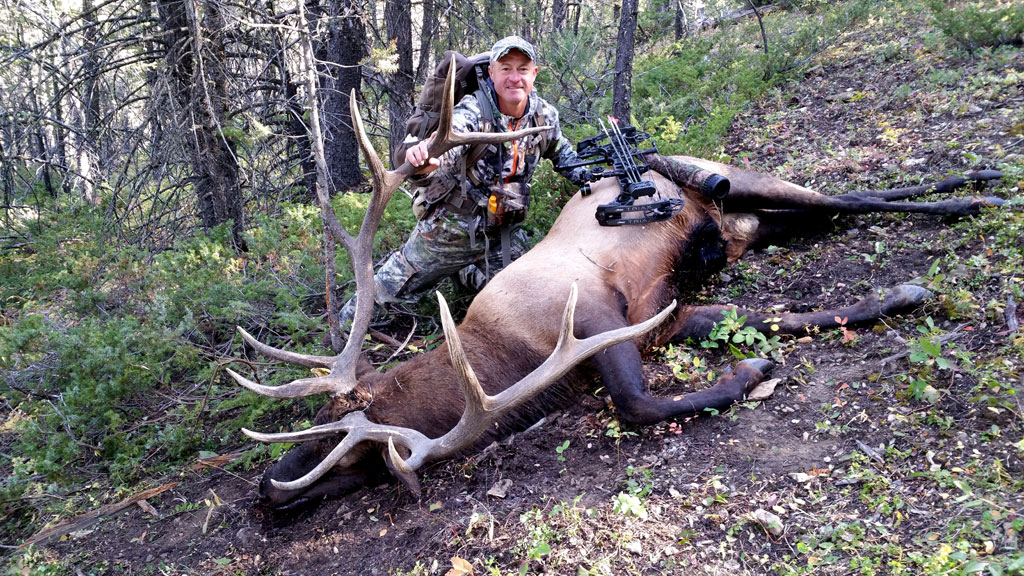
345,450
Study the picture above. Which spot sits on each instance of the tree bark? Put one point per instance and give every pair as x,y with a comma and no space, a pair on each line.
398,22
295,128
86,158
309,77
557,15
61,139
344,51
39,139
220,195
426,39
196,58
680,21
623,90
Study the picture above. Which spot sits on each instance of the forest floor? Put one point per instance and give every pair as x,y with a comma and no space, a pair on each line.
895,448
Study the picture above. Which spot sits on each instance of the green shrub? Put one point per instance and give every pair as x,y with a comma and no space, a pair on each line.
978,24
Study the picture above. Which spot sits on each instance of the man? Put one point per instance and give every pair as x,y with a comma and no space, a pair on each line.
471,202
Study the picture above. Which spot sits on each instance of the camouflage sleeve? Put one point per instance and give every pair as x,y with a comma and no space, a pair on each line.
465,118
560,151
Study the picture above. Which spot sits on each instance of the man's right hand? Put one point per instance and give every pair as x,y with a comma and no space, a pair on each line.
419,157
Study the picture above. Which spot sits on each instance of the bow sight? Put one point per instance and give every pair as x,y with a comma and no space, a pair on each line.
625,150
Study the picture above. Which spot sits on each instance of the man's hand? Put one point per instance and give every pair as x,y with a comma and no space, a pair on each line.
419,157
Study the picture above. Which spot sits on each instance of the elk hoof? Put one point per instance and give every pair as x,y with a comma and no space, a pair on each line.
760,364
903,297
984,175
914,293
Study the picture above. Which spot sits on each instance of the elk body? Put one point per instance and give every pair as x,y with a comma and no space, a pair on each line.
523,351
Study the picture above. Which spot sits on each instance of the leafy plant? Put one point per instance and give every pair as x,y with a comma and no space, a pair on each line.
928,349
560,450
630,505
977,24
732,332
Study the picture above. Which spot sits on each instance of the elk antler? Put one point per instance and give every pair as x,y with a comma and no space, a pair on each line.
481,411
342,376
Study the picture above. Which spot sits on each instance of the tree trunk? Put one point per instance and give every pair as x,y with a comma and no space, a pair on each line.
623,91
60,138
680,21
493,12
86,158
220,196
295,128
426,39
398,21
200,85
41,150
557,15
344,50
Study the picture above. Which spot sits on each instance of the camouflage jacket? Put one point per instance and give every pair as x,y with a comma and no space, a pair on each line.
512,162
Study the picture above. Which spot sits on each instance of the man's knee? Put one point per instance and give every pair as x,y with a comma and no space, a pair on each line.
393,278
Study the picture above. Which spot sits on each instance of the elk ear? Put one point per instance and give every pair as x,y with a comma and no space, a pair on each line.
406,476
363,367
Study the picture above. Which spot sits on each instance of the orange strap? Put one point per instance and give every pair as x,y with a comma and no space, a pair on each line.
515,149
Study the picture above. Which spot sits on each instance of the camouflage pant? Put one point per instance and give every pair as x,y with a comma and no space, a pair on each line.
442,244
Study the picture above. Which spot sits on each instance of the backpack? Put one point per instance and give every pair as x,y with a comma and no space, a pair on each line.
470,76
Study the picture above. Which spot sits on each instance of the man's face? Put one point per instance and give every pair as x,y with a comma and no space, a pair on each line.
513,75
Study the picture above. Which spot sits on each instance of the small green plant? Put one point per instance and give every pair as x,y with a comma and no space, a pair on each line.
540,536
639,481
732,332
629,505
560,450
39,562
614,430
928,348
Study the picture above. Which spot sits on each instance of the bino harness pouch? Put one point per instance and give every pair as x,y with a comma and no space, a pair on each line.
507,203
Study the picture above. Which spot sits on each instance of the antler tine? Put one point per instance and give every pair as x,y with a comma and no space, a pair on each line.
396,459
314,433
294,389
359,429
331,383
476,398
568,353
339,452
307,360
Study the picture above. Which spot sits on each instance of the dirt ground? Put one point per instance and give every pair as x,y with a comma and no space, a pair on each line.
835,455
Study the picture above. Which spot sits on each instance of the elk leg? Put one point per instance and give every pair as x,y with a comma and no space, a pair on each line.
697,322
621,371
799,198
977,179
755,191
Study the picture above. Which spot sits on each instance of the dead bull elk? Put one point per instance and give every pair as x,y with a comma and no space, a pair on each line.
514,360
